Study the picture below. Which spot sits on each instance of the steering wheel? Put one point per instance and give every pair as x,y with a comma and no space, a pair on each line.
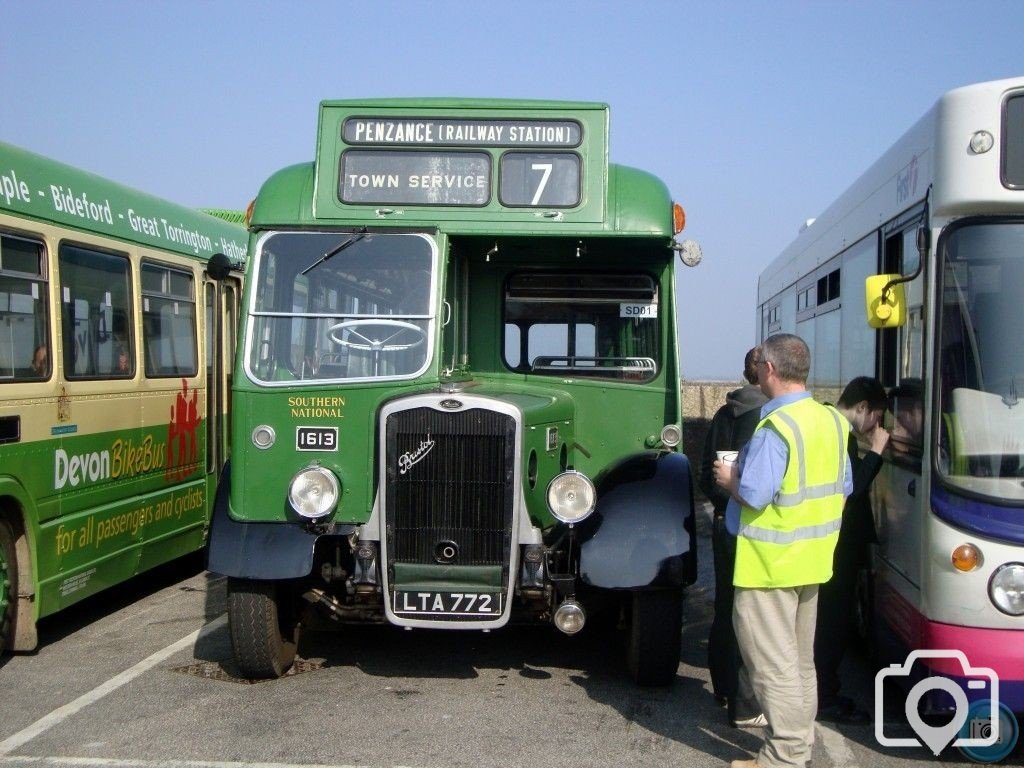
374,344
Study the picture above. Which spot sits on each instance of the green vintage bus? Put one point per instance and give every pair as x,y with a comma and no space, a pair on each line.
118,317
456,399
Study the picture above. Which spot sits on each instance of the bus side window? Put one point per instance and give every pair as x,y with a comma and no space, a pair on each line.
23,310
96,314
169,335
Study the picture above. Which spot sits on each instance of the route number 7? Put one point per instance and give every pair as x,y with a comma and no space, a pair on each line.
545,169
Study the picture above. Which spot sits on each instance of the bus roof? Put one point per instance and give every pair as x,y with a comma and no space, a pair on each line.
35,187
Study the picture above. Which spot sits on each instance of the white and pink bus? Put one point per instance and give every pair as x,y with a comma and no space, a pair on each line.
937,223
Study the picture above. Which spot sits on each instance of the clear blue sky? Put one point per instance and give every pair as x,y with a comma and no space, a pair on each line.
757,114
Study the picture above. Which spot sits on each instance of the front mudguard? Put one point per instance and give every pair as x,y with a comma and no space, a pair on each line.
643,533
266,551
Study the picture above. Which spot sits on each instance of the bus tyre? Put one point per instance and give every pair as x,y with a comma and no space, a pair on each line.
8,585
264,632
655,636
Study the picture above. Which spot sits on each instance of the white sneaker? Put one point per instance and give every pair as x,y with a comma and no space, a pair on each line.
758,721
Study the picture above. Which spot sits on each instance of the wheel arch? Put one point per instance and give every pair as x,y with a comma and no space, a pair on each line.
268,551
642,534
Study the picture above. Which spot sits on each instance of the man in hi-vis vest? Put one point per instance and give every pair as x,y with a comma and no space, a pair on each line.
787,490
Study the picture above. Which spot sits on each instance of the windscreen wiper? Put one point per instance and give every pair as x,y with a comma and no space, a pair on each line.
359,235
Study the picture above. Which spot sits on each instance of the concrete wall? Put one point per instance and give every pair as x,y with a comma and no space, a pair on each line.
702,398
700,401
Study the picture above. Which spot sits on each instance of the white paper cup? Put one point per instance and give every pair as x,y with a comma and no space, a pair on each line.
727,457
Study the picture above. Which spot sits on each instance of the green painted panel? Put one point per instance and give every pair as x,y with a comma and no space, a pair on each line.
100,508
82,554
412,576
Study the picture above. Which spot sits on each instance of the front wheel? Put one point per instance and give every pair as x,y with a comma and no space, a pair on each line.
655,636
8,585
263,626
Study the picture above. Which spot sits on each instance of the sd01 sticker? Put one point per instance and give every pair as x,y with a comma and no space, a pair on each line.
638,309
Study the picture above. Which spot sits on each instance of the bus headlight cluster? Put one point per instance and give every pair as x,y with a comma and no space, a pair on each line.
571,497
1006,588
313,492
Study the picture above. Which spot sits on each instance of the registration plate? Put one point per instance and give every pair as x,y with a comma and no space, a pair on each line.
316,438
430,603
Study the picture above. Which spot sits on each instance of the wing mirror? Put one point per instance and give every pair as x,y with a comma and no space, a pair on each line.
885,301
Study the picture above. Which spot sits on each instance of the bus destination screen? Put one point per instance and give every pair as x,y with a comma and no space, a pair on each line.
449,132
430,161
422,178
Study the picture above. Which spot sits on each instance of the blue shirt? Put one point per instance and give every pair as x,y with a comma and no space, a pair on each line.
762,465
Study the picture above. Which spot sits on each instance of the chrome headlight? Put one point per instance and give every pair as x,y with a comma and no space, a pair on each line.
571,497
313,492
570,617
1006,589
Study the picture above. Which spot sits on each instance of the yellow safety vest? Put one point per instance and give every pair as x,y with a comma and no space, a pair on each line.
790,542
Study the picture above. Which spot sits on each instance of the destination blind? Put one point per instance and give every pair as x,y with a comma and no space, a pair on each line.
415,161
398,176
449,132
419,178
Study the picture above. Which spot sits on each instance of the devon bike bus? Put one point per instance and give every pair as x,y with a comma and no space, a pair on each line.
456,399
118,317
929,244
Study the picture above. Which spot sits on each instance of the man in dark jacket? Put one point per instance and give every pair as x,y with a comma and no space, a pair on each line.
863,403
731,427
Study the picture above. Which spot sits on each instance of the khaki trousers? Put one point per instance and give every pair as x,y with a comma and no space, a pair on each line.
775,632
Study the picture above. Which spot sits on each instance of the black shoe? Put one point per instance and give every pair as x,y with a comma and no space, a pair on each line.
840,712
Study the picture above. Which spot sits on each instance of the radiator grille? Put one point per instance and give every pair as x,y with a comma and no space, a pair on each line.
449,479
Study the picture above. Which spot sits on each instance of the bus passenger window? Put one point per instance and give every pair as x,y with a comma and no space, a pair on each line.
96,314
169,340
23,311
